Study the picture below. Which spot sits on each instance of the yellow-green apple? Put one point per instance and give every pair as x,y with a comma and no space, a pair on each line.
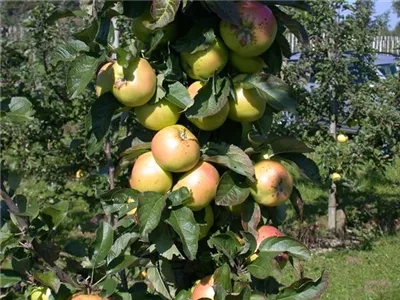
256,32
204,63
105,79
136,84
273,184
156,116
209,222
342,138
265,232
248,106
202,182
147,175
248,65
336,176
143,33
40,293
175,148
211,122
204,289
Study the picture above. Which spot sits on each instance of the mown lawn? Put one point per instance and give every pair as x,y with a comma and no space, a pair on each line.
370,274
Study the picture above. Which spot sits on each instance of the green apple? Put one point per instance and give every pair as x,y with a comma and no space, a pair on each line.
156,116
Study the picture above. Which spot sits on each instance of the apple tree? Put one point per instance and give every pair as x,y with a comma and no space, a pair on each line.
186,96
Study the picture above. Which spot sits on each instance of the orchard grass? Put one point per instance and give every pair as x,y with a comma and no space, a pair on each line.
355,274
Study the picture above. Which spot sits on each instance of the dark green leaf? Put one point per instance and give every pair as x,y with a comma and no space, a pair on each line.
20,110
297,202
108,287
230,156
75,248
219,292
225,10
55,214
103,243
184,224
163,12
165,246
133,9
285,244
287,144
197,39
119,263
179,196
284,45
8,278
21,261
222,276
67,52
81,71
210,99
117,199
150,208
305,166
31,209
273,58
102,34
251,216
306,288
48,279
276,92
88,34
63,13
159,275
226,243
264,266
129,155
244,294
277,214
264,124
156,38
177,94
121,244
232,189
183,295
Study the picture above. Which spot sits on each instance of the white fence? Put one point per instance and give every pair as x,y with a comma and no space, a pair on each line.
388,44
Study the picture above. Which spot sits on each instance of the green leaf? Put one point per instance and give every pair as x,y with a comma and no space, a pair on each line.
297,202
245,294
116,200
63,13
273,58
177,94
225,10
264,266
150,208
8,278
67,52
230,156
128,156
75,248
306,288
133,9
304,165
163,12
103,243
184,224
48,279
219,292
197,39
264,124
53,215
285,244
155,40
21,261
30,210
88,34
183,295
299,4
81,71
108,287
121,244
165,246
277,214
232,189
222,276
158,279
180,196
13,179
283,45
286,144
251,217
225,243
20,110
210,99
98,121
276,92
120,263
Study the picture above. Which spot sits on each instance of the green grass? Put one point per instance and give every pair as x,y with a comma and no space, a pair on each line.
372,274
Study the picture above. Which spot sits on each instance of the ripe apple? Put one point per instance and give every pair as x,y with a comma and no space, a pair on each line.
144,34
87,297
265,232
202,181
156,116
273,184
204,63
246,65
147,175
209,222
175,148
204,289
136,84
105,79
248,106
211,122
255,34
40,293
342,138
